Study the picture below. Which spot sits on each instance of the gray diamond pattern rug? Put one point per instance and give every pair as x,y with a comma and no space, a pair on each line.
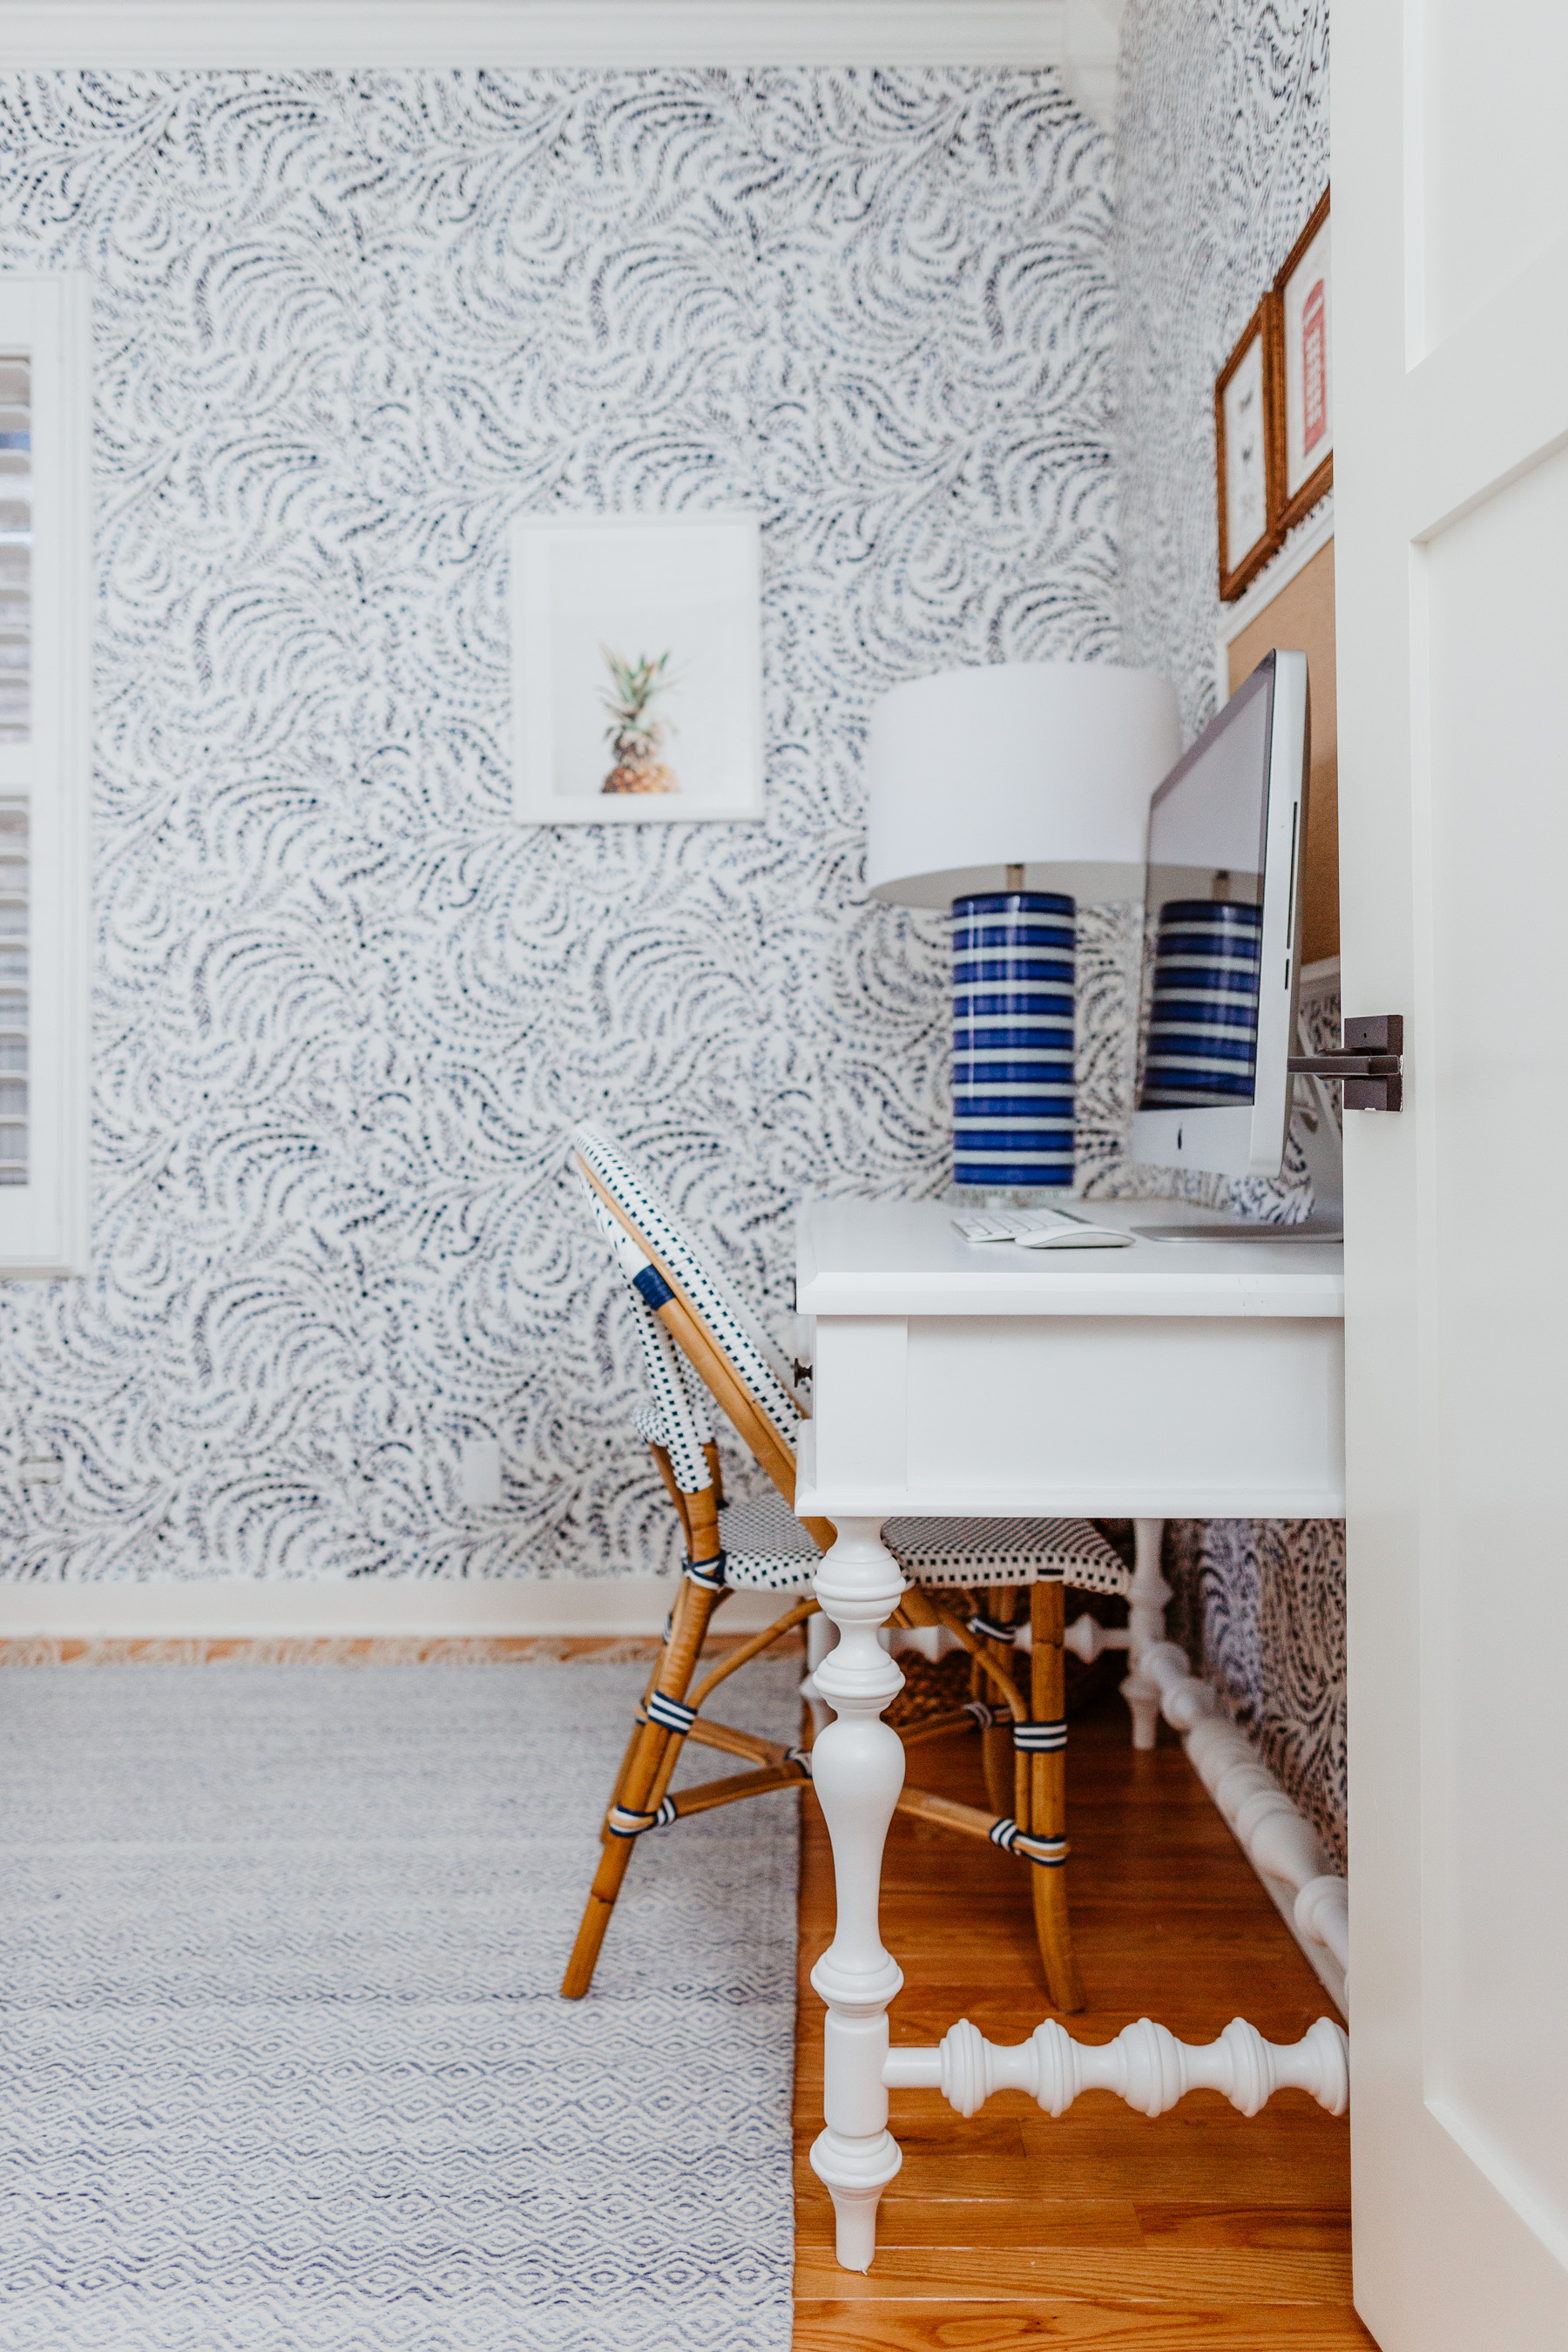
284,2065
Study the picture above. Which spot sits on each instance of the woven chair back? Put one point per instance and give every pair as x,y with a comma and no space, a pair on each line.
698,1306
679,1420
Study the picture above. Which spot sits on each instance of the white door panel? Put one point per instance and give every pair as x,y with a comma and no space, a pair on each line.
1496,1933
1488,404
1451,498
1485,103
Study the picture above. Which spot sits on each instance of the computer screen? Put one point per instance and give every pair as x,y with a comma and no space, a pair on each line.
1222,934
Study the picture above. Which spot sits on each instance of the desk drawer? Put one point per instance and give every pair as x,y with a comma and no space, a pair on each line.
1169,1416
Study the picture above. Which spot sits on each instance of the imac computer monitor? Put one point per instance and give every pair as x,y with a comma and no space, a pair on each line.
1222,935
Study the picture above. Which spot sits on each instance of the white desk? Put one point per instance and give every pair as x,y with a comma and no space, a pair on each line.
1177,1379
1168,1380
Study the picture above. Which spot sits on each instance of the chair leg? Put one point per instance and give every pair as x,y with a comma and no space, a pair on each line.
667,1471
999,1604
644,1776
618,1793
615,1858
1047,1800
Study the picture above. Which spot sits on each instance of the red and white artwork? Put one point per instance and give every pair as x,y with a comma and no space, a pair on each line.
1308,304
1314,367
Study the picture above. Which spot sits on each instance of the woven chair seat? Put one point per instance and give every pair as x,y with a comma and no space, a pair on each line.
1006,1551
767,1546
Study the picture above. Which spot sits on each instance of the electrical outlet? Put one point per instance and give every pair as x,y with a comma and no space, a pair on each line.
478,1473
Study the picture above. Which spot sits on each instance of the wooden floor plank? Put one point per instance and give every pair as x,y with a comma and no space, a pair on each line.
828,2326
1245,2225
1201,2232
1212,2277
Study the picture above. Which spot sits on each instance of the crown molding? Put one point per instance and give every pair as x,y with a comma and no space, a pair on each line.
304,34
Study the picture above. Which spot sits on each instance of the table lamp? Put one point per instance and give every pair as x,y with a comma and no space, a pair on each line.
1009,793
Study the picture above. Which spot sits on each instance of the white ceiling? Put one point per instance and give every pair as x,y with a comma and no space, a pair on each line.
1079,36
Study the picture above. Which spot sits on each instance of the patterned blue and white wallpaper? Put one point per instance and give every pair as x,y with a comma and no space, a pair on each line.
1222,152
347,327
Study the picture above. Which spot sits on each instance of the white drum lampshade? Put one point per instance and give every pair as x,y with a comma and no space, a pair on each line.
1045,765
1009,793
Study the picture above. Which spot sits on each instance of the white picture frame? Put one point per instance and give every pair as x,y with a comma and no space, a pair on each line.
676,600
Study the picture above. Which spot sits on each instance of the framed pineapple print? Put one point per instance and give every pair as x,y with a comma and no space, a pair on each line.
636,670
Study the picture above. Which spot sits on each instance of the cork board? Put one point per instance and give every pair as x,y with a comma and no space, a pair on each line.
1302,616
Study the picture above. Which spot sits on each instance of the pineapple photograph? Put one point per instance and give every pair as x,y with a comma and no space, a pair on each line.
636,670
637,731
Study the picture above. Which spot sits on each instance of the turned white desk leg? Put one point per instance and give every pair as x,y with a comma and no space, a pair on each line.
857,1768
1146,1602
820,1636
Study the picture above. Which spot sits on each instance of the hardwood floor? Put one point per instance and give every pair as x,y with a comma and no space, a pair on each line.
1197,2232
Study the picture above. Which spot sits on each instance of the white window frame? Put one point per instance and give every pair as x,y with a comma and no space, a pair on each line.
44,1223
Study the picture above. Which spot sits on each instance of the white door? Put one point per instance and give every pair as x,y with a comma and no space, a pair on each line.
1450,199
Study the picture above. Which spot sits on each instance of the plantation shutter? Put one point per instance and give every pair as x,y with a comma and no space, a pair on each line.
44,757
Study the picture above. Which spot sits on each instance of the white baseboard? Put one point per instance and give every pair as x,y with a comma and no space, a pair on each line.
236,1609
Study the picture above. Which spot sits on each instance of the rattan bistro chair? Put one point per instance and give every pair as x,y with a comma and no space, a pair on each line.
700,1339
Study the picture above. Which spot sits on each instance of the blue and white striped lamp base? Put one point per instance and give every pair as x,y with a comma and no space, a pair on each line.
1013,968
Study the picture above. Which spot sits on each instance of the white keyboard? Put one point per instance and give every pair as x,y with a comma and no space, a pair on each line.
1040,1229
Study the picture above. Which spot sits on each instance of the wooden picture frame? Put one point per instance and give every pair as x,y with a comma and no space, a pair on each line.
1246,454
1302,327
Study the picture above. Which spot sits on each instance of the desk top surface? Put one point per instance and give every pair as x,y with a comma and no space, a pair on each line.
904,1258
